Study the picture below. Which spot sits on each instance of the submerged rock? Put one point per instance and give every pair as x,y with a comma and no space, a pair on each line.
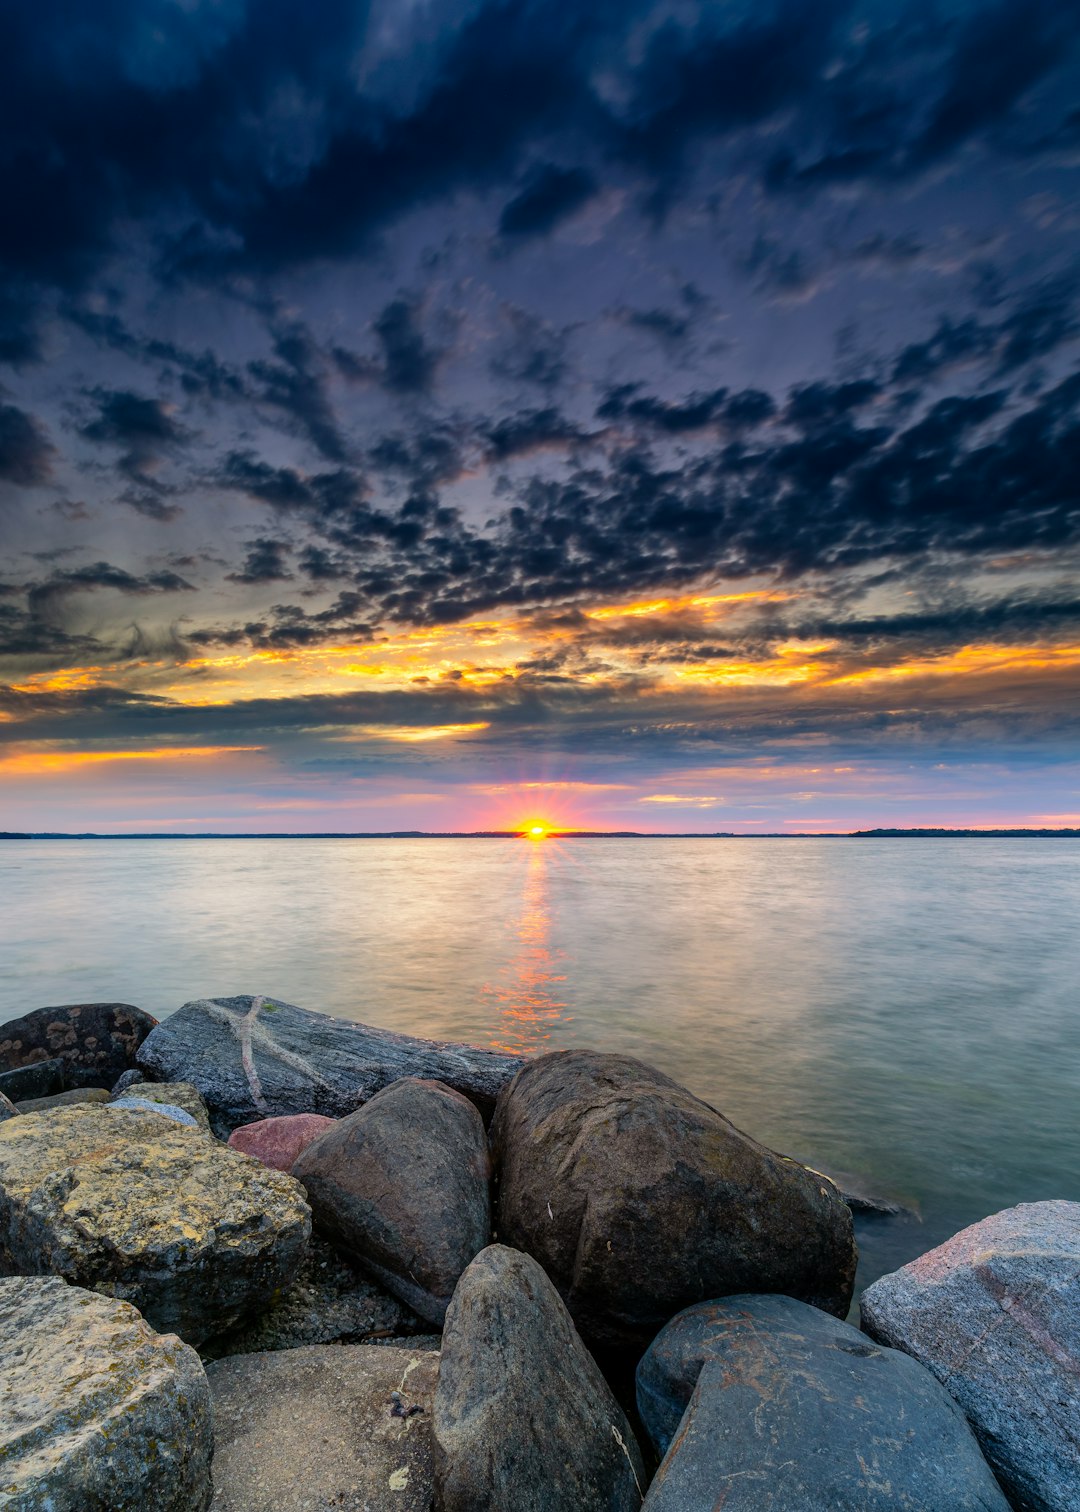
331,1426
279,1142
638,1199
328,1303
172,1094
523,1417
257,1057
401,1186
138,1207
764,1404
96,1410
995,1314
94,1041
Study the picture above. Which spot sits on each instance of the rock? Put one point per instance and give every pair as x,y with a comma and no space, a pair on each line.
764,1404
639,1200
163,1110
97,1412
523,1417
7,1108
129,1079
42,1079
995,1314
95,1041
64,1100
328,1303
861,1197
329,1426
256,1057
137,1207
176,1095
278,1142
401,1186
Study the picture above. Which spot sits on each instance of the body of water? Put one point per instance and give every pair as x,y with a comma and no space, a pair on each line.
907,1010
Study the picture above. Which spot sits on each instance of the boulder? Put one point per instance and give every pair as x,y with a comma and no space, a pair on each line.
279,1142
95,1041
523,1417
329,1426
328,1303
401,1186
129,1079
995,1314
7,1108
257,1057
42,1079
639,1200
138,1207
174,1094
63,1099
97,1412
764,1404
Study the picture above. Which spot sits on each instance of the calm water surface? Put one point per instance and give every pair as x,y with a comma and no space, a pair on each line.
906,1010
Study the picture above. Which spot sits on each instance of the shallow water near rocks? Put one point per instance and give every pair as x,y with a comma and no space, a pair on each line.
905,1010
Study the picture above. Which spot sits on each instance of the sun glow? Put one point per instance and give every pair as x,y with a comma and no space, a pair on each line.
536,831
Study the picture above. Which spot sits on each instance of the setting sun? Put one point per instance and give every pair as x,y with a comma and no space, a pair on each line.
536,832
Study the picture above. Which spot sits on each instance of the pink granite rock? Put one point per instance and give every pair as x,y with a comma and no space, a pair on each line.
277,1142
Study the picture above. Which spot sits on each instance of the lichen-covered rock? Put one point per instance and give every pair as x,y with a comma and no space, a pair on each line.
97,1412
639,1200
524,1420
175,1094
328,1303
138,1207
330,1426
279,1142
95,1041
764,1404
995,1314
257,1057
401,1186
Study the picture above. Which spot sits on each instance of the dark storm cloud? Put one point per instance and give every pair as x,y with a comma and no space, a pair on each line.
408,362
294,383
43,597
550,195
26,453
265,562
143,428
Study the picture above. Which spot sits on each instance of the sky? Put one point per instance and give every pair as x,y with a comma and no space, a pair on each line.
653,416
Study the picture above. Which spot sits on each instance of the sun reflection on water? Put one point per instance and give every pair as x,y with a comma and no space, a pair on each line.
527,994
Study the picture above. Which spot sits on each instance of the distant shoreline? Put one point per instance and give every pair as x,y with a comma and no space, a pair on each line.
871,834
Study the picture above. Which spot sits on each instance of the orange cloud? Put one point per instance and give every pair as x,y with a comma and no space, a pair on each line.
36,763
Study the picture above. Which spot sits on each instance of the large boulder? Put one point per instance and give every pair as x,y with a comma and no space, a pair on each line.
330,1426
995,1314
764,1404
328,1303
523,1417
401,1186
257,1057
138,1207
279,1142
95,1041
97,1412
639,1200
169,1094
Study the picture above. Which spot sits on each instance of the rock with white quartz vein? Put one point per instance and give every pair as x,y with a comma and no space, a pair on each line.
257,1057
97,1412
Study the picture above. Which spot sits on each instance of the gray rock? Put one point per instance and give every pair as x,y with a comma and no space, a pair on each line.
995,1314
97,1412
257,1057
135,1206
764,1404
43,1078
401,1186
328,1303
129,1079
7,1108
330,1426
95,1041
63,1100
175,1095
523,1418
639,1200
164,1109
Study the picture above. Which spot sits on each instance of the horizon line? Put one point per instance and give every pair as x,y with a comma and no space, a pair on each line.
879,832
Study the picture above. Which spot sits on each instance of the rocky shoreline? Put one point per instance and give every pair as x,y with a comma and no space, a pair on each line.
256,1259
